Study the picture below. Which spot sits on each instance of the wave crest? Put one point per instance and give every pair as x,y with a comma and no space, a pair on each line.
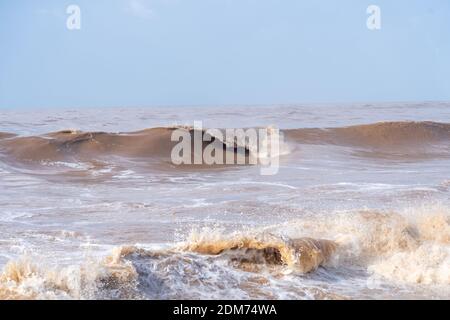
303,254
410,246
388,136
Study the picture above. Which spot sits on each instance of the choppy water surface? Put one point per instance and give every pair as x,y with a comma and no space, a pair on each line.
91,207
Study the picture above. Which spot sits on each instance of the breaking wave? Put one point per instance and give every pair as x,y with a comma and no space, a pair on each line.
410,247
71,146
156,142
303,254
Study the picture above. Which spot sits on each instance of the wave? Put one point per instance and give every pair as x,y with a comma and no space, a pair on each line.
388,137
4,135
303,254
156,142
68,145
25,280
61,145
382,135
414,244
131,272
410,247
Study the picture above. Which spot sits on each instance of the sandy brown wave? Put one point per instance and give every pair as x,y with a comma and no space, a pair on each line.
128,273
303,254
60,145
383,135
106,279
69,145
5,135
411,247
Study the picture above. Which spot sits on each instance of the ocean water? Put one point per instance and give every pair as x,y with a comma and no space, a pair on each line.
92,208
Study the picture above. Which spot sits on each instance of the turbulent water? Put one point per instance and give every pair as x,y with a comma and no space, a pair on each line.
91,206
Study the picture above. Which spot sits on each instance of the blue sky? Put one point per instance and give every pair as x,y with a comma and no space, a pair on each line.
207,52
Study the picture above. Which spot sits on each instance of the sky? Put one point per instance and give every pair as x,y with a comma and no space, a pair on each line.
219,52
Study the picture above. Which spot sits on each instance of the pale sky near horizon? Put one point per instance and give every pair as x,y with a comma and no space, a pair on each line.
207,52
